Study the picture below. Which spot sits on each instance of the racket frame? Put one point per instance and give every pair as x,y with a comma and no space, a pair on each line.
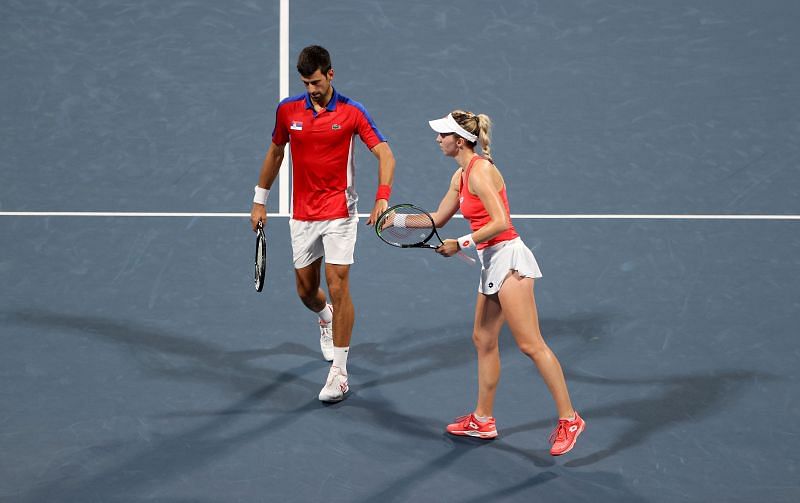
260,269
420,244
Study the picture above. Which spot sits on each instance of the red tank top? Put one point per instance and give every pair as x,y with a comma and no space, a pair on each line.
473,209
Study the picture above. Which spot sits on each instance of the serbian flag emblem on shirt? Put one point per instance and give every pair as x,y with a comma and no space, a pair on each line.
296,126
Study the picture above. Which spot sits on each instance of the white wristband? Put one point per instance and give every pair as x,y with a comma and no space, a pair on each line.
399,220
466,241
260,196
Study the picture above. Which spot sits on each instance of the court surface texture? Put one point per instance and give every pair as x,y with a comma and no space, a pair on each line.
652,156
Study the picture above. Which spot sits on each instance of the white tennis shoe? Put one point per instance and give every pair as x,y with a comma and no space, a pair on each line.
335,387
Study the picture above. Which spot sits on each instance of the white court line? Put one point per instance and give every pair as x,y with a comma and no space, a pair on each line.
283,87
119,214
657,217
574,216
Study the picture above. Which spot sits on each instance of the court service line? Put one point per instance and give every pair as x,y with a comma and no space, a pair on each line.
531,216
284,196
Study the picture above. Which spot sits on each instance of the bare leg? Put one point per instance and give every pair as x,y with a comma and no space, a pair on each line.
488,322
519,308
338,278
308,280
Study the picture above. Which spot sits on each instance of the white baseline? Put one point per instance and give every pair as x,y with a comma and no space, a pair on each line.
524,216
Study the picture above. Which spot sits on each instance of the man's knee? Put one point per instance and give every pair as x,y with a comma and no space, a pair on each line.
338,278
307,281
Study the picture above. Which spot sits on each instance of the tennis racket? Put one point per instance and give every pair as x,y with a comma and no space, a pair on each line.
409,226
261,257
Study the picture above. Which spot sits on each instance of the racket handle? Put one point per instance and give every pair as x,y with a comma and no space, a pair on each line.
466,258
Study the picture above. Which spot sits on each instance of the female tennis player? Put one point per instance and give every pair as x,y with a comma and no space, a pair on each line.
508,270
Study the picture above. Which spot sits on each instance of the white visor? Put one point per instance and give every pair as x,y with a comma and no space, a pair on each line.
449,125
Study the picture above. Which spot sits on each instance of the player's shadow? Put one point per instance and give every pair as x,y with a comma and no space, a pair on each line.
182,358
426,470
682,399
601,485
419,352
179,357
105,471
401,427
416,353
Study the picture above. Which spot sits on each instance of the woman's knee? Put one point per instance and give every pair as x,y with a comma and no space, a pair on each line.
484,342
535,350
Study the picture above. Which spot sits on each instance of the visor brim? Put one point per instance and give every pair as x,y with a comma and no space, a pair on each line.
442,125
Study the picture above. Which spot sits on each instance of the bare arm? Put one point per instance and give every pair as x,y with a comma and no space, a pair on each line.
386,163
449,204
269,171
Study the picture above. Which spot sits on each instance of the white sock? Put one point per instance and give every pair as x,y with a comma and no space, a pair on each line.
326,315
340,358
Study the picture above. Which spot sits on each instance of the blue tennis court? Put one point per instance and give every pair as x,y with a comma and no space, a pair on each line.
652,153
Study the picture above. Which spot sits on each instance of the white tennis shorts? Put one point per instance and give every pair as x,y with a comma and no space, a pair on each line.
333,239
499,259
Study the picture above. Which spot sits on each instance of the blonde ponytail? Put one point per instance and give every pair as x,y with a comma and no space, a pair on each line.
485,134
479,125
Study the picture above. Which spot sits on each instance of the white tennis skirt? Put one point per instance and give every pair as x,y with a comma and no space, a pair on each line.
497,260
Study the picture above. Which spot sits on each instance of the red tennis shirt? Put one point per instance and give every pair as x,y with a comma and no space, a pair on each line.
475,212
321,144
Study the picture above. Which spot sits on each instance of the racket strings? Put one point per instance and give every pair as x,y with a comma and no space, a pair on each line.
413,226
403,233
261,255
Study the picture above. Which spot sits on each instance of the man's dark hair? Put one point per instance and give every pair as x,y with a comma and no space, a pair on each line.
313,58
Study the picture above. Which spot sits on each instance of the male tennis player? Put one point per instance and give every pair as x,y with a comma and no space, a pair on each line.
320,125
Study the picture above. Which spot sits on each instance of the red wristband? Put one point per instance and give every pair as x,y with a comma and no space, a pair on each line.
384,191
